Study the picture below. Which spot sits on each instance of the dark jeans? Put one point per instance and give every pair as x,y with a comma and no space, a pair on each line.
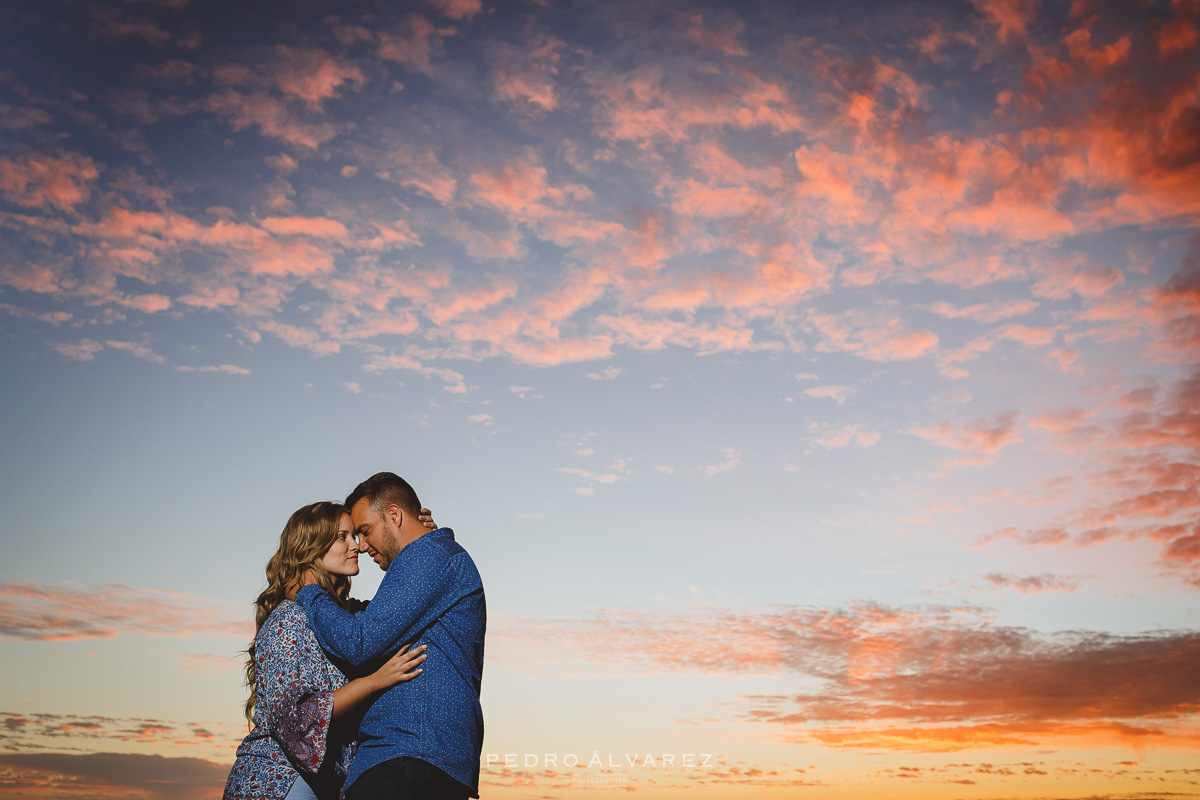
406,778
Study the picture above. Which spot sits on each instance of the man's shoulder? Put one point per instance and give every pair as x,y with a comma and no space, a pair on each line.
438,544
438,549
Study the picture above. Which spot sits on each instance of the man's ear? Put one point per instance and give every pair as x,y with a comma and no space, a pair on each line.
395,514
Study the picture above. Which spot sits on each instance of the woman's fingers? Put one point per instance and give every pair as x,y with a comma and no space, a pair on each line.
426,518
405,662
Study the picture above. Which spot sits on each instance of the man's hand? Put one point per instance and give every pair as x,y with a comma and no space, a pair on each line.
426,519
305,579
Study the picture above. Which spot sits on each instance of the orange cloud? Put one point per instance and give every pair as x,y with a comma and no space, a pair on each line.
143,777
934,679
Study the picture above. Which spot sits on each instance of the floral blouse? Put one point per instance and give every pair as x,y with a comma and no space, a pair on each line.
291,716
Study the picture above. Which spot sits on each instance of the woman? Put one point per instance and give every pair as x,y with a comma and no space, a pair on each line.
300,703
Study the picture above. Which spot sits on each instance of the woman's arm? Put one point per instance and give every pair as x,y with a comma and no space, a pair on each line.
399,668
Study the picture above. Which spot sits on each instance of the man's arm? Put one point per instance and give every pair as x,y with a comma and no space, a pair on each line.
418,589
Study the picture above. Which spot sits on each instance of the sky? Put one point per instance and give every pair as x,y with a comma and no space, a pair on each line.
815,385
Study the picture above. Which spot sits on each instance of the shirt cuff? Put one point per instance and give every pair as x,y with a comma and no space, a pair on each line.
307,594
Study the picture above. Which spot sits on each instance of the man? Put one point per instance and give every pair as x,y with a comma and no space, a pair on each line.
420,739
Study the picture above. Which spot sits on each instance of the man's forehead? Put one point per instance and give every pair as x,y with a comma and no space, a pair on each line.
362,513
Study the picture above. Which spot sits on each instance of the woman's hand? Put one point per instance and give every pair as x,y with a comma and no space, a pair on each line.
399,668
426,519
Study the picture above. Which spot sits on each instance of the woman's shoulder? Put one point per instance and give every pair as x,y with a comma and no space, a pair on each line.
286,619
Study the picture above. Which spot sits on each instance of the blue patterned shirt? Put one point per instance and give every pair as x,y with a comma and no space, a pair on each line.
292,715
431,594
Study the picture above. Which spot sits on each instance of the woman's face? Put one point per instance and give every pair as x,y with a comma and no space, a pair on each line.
342,556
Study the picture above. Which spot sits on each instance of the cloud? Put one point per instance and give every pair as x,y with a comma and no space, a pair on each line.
228,369
984,312
855,180
524,392
838,393
134,349
1032,583
835,437
413,42
42,612
145,777
606,374
315,227
1010,17
982,438
83,350
458,9
875,340
48,182
730,458
309,75
927,679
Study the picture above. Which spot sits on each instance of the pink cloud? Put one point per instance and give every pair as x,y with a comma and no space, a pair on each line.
309,75
312,75
273,117
527,72
83,350
40,612
837,393
882,339
315,227
724,35
984,312
835,437
1032,583
982,437
48,182
458,9
414,43
1011,17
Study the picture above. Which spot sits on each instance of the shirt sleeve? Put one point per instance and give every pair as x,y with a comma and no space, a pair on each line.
299,705
418,588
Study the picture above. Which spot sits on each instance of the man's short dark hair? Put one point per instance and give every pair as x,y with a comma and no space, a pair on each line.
385,489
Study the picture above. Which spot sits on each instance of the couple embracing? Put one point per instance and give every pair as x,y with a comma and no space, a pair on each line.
409,724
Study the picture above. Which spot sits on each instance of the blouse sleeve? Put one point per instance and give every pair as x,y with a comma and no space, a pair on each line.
299,703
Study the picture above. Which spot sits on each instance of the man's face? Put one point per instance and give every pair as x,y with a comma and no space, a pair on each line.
378,533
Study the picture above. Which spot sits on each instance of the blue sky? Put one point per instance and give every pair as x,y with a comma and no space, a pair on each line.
813,386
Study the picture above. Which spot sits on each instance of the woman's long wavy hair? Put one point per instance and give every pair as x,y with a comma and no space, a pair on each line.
308,535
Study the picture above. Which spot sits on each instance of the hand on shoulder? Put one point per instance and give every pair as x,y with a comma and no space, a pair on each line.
305,579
